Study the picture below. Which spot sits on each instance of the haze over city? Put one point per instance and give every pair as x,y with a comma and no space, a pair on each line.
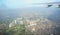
29,17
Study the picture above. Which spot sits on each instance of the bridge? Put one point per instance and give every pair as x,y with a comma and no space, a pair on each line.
51,4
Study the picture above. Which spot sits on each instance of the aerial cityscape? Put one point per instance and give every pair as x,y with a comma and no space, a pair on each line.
30,21
30,17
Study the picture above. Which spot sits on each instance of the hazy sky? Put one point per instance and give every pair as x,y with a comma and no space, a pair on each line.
20,3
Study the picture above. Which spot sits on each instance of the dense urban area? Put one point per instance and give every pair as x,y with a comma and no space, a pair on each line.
30,21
